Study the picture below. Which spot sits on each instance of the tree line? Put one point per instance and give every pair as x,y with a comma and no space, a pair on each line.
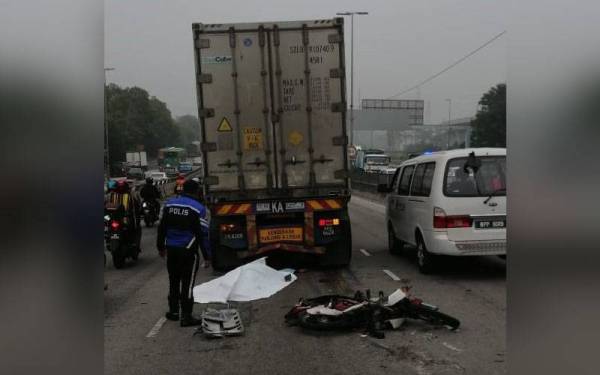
489,125
134,118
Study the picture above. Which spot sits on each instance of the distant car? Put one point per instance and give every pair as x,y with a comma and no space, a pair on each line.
158,176
449,203
197,161
185,167
170,171
135,173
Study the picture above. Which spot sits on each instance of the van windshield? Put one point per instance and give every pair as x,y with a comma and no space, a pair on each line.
489,179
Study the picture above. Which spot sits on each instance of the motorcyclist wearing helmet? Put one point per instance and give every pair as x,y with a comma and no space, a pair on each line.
150,193
123,205
179,181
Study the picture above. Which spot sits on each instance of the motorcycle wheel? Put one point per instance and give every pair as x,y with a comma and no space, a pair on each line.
118,261
439,319
148,222
117,256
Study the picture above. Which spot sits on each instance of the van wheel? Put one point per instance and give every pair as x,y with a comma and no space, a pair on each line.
425,260
395,246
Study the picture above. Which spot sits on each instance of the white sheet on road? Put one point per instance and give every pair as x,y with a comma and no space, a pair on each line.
249,282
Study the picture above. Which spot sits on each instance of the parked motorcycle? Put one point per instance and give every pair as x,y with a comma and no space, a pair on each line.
334,312
121,242
150,212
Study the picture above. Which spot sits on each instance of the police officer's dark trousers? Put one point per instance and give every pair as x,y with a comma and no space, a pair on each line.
182,265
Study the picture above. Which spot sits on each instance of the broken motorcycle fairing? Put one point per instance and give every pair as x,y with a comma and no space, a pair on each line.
221,323
335,312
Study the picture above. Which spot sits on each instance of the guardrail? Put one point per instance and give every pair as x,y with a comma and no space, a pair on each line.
361,180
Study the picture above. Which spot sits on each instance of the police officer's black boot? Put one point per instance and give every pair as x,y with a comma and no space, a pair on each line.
187,320
173,313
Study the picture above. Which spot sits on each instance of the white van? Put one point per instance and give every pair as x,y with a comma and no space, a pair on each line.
449,203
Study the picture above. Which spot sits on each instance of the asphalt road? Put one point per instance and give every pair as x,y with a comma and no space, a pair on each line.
473,290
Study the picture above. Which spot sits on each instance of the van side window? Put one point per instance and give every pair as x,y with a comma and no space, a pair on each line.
415,188
422,180
395,180
428,179
405,180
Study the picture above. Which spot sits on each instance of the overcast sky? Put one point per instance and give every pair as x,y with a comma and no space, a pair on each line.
400,43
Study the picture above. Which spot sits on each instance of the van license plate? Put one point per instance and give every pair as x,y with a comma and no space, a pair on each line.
280,234
490,224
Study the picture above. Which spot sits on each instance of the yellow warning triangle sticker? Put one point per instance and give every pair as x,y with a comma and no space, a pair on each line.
224,126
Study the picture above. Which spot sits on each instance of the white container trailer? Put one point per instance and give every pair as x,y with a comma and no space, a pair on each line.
137,159
272,107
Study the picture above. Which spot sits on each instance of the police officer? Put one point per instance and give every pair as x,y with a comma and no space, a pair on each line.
183,227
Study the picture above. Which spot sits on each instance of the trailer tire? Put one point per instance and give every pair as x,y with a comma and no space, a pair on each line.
224,259
339,254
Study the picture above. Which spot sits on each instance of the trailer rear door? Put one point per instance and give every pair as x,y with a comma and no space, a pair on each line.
271,101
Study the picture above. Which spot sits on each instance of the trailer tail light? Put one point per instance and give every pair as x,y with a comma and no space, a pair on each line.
230,228
442,221
329,222
115,225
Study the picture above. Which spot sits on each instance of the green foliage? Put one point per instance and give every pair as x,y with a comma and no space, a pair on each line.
189,128
489,125
135,118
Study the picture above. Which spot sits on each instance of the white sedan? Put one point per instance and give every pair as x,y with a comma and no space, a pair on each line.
157,176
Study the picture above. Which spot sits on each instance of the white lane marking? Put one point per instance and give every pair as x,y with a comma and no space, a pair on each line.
154,331
365,252
391,274
451,347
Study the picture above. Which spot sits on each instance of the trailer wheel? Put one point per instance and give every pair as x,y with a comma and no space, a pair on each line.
224,259
339,254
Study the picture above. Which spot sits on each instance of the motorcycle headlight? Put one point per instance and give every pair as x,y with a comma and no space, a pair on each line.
144,205
106,217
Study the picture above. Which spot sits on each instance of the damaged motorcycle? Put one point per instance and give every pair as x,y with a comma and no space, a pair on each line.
335,312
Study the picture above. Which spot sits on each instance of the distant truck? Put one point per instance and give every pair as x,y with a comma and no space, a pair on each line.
373,161
272,109
136,159
197,161
169,159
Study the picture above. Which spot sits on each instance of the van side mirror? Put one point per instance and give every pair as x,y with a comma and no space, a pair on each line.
384,188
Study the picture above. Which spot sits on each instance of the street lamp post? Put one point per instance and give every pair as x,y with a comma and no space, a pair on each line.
449,118
106,154
351,14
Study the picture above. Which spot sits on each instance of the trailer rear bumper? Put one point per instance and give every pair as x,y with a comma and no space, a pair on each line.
290,248
240,231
